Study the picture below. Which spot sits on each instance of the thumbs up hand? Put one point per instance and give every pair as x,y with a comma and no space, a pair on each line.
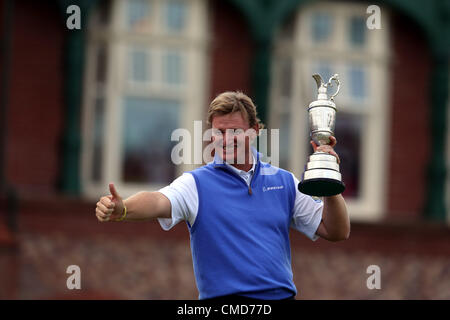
110,208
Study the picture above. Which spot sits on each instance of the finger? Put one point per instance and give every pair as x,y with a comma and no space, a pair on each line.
333,141
107,203
113,190
101,213
314,145
332,152
328,149
101,216
324,148
103,208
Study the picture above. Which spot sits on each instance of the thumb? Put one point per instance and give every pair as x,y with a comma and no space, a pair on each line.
113,191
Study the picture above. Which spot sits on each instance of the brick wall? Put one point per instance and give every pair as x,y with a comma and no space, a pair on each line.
410,116
9,253
36,112
146,268
231,50
140,261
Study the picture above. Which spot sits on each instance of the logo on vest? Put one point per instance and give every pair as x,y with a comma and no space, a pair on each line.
272,188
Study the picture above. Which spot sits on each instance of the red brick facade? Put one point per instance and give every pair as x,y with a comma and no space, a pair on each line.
154,264
410,118
231,50
36,109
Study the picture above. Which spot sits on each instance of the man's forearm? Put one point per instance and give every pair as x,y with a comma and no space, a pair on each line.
146,205
335,217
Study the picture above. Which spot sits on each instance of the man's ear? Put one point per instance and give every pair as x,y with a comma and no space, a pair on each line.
255,133
256,128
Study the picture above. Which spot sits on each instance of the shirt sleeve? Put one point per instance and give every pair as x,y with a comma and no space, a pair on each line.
307,213
183,197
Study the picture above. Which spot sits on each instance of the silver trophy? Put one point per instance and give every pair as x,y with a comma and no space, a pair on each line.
322,176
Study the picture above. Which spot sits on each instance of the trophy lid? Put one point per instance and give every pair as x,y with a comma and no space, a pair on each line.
323,87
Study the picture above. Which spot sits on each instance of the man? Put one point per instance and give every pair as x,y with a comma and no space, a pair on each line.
238,212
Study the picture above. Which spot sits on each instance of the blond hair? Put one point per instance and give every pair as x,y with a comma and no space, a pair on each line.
234,101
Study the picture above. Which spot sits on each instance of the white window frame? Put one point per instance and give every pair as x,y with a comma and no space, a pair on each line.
371,204
194,43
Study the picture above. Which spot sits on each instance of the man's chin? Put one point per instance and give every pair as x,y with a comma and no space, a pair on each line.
229,159
232,158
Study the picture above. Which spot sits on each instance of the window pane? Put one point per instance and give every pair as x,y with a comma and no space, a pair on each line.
139,65
357,76
97,137
148,125
348,132
322,24
137,14
175,15
357,31
172,71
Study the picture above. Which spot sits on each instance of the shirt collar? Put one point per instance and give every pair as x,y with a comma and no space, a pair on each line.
238,171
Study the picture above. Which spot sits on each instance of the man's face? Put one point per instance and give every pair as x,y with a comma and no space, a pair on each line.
232,137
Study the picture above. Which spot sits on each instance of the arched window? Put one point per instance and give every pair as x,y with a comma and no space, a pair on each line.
329,38
144,77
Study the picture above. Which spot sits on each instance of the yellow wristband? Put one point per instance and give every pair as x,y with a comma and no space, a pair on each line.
124,214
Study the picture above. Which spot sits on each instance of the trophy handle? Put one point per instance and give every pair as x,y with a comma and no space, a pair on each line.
335,77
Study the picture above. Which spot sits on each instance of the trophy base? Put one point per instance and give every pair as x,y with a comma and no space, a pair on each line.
321,187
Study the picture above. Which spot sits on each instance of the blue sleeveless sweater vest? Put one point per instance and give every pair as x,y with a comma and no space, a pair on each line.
240,238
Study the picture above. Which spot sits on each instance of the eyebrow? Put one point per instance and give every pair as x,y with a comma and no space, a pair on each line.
220,129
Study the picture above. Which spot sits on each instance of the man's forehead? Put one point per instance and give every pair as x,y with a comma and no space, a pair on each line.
234,117
230,128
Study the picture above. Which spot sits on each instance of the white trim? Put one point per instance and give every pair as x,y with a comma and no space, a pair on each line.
375,57
86,116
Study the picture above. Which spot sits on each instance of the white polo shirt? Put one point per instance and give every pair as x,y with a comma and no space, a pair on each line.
183,196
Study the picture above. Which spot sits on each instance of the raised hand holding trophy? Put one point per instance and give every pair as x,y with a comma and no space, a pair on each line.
322,176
